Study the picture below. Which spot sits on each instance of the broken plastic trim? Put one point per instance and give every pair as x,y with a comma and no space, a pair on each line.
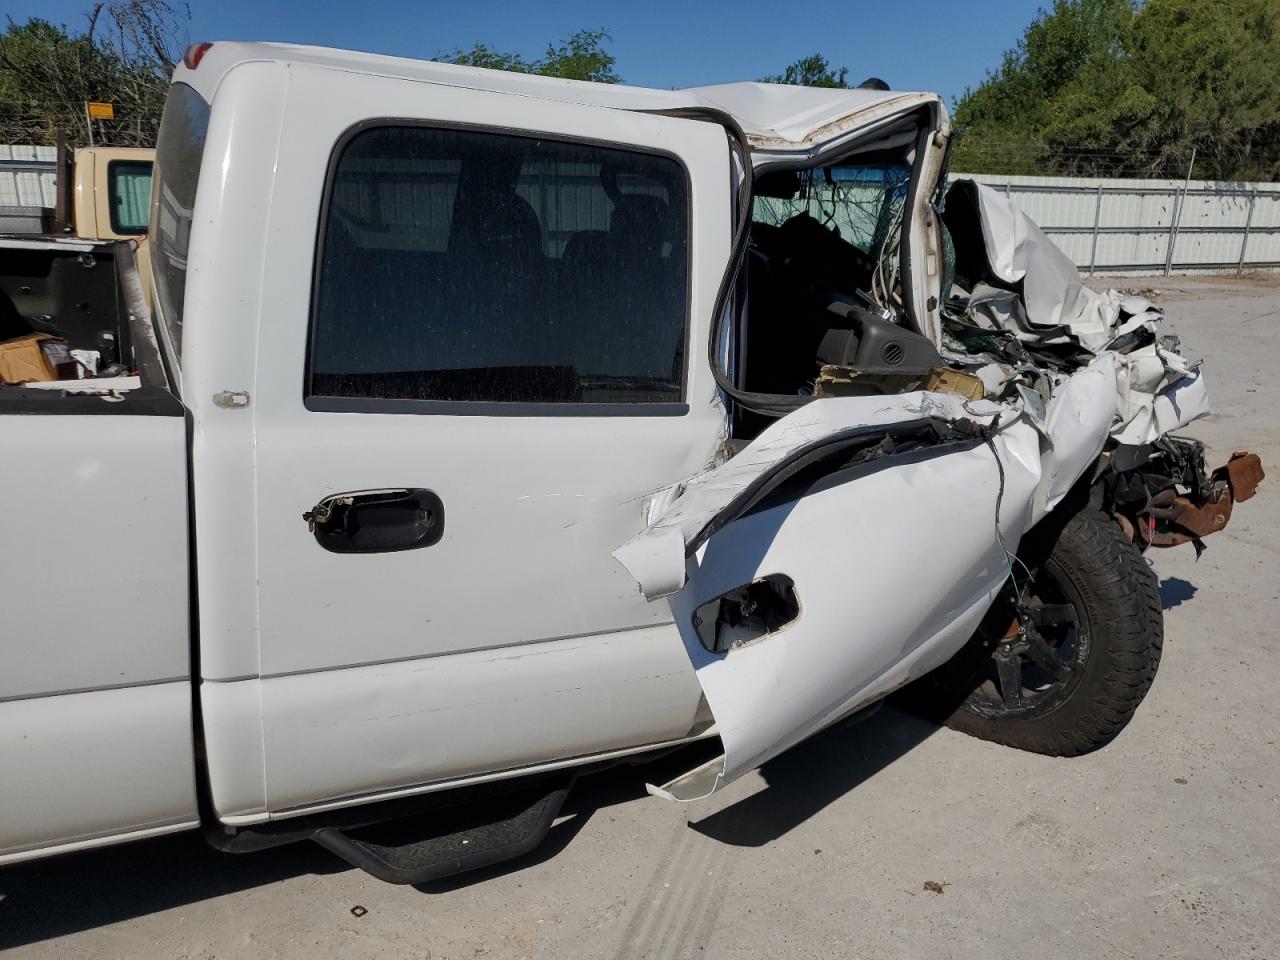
747,613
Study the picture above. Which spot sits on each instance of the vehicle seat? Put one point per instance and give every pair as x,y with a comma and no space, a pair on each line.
497,268
583,247
639,226
599,271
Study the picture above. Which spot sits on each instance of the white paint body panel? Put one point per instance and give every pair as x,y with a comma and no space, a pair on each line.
95,701
857,623
656,557
84,769
95,595
893,570
443,718
774,116
407,726
338,645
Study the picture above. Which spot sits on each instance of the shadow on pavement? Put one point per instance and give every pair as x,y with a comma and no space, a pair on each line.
63,895
808,778
80,891
615,785
51,898
1174,592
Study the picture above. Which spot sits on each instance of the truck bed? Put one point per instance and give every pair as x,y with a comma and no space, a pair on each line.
88,293
94,571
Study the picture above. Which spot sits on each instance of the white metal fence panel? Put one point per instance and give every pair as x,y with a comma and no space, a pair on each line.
1152,226
27,177
1105,226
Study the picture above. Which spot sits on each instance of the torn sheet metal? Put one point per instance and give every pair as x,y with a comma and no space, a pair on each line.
916,562
918,538
892,520
656,557
893,560
1052,293
1036,293
1075,428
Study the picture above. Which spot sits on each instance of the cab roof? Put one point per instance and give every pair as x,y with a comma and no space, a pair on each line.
774,116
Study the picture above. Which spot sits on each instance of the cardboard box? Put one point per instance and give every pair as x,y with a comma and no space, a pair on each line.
23,359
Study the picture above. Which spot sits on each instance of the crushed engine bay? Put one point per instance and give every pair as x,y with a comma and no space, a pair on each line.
1061,382
852,545
913,378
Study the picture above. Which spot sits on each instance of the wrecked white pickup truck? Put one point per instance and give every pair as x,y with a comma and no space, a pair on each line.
446,363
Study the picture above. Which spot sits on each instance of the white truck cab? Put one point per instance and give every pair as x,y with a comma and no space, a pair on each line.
491,427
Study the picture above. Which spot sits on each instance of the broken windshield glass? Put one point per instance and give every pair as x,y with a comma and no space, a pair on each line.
862,201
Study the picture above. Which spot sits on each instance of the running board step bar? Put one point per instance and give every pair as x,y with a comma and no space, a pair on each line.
437,857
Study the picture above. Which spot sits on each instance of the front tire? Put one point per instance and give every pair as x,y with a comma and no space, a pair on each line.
1059,666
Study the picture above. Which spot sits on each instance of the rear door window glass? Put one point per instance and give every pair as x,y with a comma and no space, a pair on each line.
129,195
467,266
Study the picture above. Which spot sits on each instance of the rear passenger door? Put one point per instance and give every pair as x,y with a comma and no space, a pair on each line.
468,384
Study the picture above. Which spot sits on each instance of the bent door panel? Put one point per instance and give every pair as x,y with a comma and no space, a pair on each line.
893,566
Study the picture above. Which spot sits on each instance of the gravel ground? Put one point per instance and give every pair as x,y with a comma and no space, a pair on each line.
891,838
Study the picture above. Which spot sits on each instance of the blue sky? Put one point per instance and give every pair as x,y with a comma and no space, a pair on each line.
913,44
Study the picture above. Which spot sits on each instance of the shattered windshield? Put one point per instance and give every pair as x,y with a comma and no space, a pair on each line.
862,201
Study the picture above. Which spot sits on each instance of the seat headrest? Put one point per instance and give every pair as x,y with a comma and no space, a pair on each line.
641,222
504,221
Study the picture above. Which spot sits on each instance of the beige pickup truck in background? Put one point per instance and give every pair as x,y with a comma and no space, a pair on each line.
110,191
109,198
73,289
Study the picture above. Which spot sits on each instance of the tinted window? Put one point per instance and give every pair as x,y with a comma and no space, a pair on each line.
466,266
177,171
129,195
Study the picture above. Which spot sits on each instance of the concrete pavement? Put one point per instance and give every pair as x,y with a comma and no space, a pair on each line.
891,838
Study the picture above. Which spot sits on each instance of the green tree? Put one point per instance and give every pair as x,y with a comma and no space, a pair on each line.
580,57
124,56
1197,74
1111,87
1002,121
811,71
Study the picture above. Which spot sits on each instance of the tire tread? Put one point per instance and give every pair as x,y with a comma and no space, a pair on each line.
1126,637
